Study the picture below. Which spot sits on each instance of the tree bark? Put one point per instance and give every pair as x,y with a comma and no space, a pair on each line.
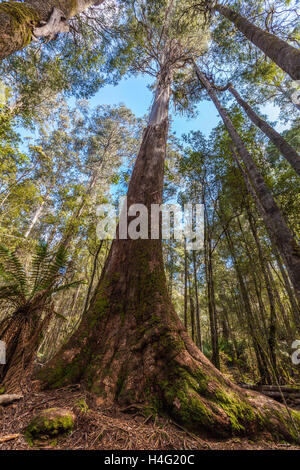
21,22
192,310
283,146
22,334
185,285
210,286
284,55
273,218
198,325
269,287
36,217
88,295
131,347
293,301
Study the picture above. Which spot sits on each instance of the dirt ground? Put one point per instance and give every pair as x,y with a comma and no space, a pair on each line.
112,429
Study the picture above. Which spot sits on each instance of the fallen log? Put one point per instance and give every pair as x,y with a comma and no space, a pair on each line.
290,396
271,388
8,399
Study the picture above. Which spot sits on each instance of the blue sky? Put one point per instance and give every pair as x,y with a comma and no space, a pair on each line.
134,93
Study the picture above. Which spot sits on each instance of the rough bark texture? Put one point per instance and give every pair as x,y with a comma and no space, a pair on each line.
18,20
273,218
283,146
22,335
131,348
283,54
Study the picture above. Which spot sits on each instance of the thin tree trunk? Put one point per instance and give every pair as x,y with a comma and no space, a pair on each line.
131,348
35,218
192,310
185,285
170,283
20,22
293,301
283,146
262,361
257,280
268,284
274,220
284,55
198,325
210,287
69,233
9,189
52,234
284,315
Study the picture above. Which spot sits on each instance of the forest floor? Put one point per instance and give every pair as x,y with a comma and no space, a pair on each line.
112,429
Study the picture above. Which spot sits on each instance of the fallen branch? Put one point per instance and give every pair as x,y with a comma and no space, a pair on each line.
9,438
8,399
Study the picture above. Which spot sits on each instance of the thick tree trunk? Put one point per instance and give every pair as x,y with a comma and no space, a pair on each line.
273,218
279,51
21,22
283,146
131,348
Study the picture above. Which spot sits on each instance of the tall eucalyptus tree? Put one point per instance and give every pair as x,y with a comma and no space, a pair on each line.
274,219
130,346
283,54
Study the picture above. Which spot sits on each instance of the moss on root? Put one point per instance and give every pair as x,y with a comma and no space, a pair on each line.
201,401
22,19
283,424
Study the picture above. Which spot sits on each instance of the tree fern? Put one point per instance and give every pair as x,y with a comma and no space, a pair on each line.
12,267
21,290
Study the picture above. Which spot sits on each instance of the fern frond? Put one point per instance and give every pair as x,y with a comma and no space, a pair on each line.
52,273
11,266
39,260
